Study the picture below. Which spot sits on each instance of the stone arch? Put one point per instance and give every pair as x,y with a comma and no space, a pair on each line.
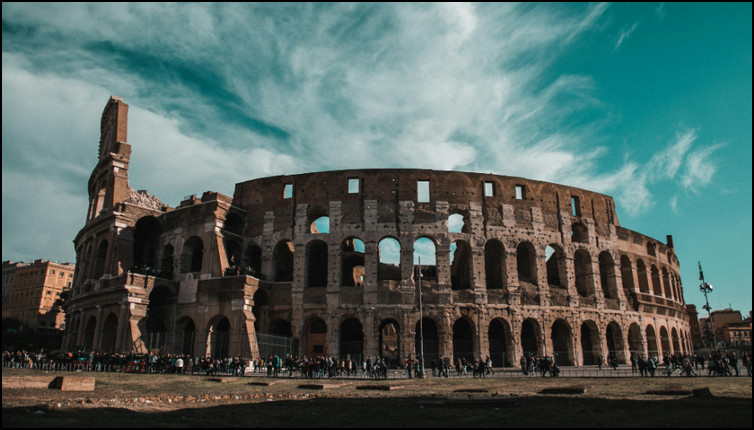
590,343
666,283
461,266
641,270
425,249
167,262
233,255
252,260
390,345
316,264
159,314
635,344
556,266
652,349
656,285
607,275
582,267
351,339
147,233
526,263
665,341
458,223
389,266
615,343
627,275
494,264
192,255
282,261
579,233
676,341
562,342
218,336
352,262
185,334
500,342
463,339
430,334
89,329
100,259
316,337
651,249
531,337
109,333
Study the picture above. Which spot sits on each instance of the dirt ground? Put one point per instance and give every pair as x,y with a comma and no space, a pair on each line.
128,400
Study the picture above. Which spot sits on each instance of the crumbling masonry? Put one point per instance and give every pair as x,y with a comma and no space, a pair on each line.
510,266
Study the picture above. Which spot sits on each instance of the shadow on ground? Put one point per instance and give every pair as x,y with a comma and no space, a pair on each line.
539,411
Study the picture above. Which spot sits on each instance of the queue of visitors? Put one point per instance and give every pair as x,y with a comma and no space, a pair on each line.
719,363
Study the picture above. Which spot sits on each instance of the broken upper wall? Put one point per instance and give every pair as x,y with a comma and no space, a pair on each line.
494,194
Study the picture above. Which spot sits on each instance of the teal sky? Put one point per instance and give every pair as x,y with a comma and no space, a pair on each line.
649,103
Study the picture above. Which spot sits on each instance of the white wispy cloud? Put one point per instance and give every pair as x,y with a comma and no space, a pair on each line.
625,33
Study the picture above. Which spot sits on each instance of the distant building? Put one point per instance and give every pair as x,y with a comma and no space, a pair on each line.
728,326
9,271
34,291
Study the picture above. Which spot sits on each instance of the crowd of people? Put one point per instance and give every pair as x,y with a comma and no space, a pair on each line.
719,363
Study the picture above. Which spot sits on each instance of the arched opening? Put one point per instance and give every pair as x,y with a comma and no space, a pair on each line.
166,266
253,261
556,269
526,259
431,340
146,236
351,339
109,333
219,337
494,264
320,225
641,271
615,342
456,224
627,275
590,343
607,275
665,341
158,312
233,255
192,255
424,255
316,337
656,286
634,340
530,337
281,328
460,265
666,284
234,224
389,268
579,233
582,265
260,310
651,249
352,262
676,341
100,260
390,346
186,332
316,264
91,325
463,340
501,343
561,343
282,260
652,342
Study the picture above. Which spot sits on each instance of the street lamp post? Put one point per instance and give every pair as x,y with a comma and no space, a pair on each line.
707,288
421,323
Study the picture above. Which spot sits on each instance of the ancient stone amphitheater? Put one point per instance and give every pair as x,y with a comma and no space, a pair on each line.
327,263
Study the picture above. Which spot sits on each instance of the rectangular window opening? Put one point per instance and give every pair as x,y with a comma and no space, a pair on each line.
422,191
353,185
520,195
489,189
287,191
575,208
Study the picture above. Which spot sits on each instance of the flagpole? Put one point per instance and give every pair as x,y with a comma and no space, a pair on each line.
421,323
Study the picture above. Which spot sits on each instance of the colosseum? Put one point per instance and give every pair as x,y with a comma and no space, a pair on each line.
328,263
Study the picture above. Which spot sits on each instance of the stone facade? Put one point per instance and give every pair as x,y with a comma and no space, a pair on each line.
510,266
